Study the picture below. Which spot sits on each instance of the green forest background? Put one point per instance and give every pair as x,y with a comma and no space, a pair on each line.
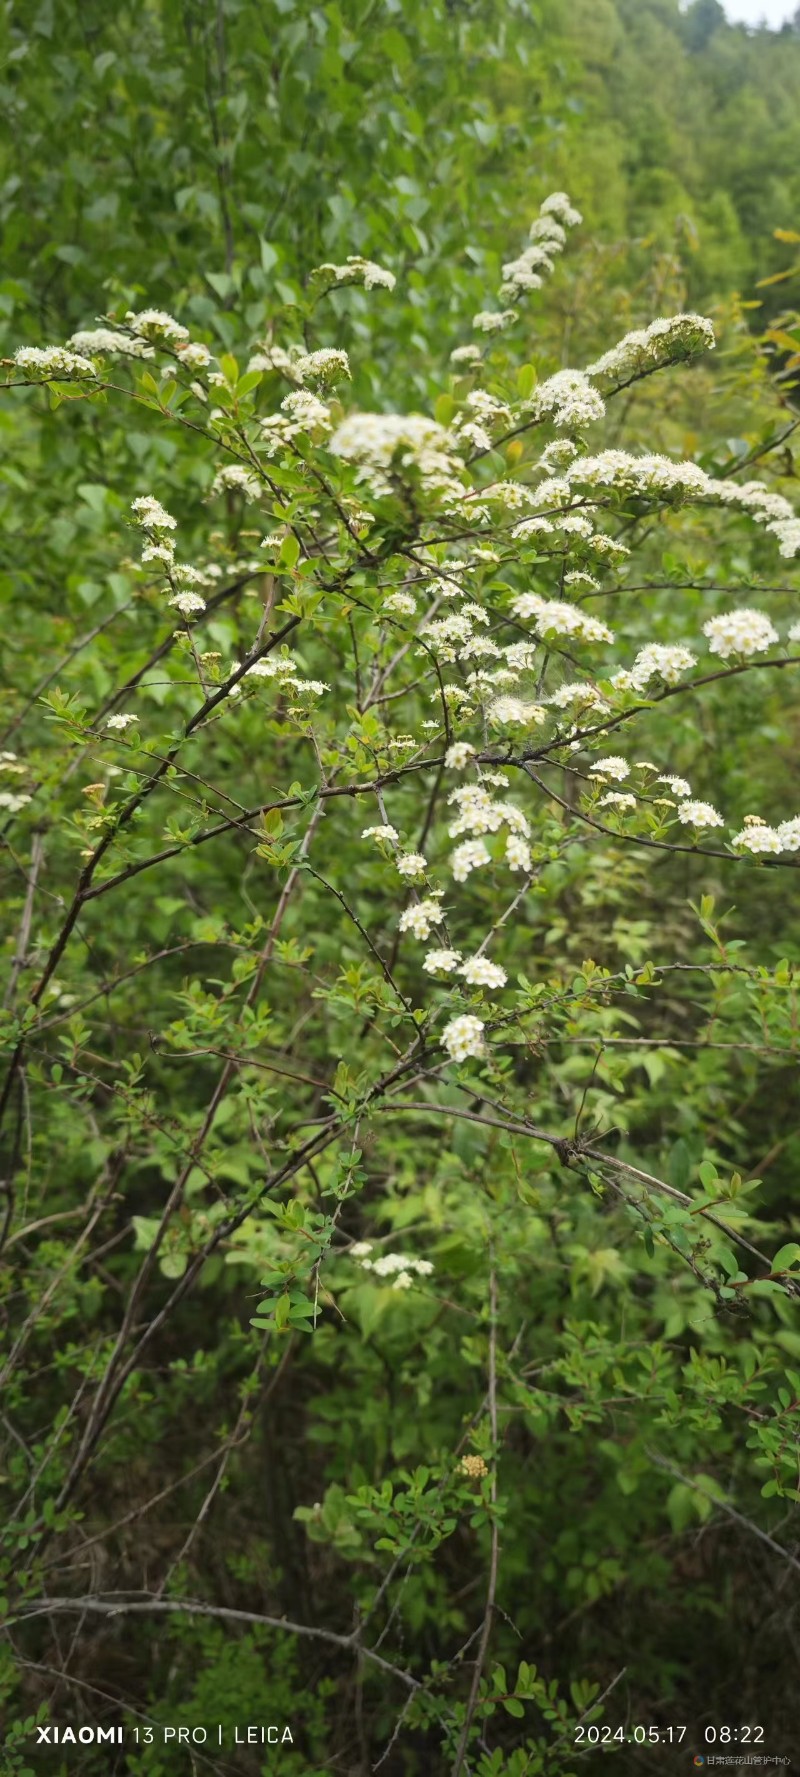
203,157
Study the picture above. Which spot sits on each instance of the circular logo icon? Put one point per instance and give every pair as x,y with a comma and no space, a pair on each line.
698,1759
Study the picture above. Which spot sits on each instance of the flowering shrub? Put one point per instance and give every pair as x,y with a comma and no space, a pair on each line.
326,928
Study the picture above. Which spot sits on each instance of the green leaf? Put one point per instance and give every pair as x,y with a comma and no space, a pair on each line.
786,1257
289,552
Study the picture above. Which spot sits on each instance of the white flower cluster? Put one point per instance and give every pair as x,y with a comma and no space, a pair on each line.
52,362
441,962
412,865
463,1037
475,427
387,835
558,205
678,785
658,660
493,321
358,271
411,441
479,814
283,668
421,918
101,342
515,712
665,341
189,604
766,508
645,475
13,800
699,814
472,855
402,1267
282,359
157,326
614,767
762,840
301,412
740,632
581,693
459,754
238,479
151,515
556,617
547,239
157,523
654,476
568,399
470,354
120,722
194,355
518,853
450,635
325,367
478,971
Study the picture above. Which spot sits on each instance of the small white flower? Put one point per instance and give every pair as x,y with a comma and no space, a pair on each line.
307,687
789,834
678,785
518,853
360,271
360,1249
556,617
478,971
120,722
325,367
470,856
150,514
421,918
757,837
740,632
613,799
158,326
558,205
506,711
98,342
659,661
394,1264
699,814
488,322
441,962
53,361
163,552
463,1037
665,340
389,834
189,604
613,766
194,355
236,478
412,864
402,602
459,754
